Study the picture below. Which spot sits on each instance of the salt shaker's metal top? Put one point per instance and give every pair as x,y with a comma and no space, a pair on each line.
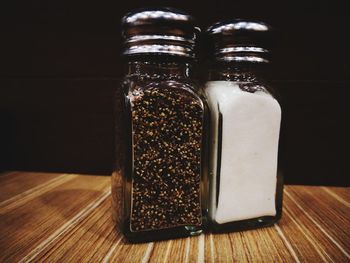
240,40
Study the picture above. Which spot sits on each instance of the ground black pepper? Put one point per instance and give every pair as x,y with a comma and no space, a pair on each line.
167,136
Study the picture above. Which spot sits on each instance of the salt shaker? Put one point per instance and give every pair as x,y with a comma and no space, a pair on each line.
164,123
245,191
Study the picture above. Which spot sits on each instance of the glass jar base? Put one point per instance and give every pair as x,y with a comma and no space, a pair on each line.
162,234
243,225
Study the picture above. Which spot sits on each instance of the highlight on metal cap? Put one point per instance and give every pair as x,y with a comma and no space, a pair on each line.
159,31
240,40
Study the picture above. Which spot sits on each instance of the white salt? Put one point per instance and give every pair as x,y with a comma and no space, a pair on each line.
250,134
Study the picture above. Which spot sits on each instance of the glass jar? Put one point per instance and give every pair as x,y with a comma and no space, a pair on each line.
245,190
162,149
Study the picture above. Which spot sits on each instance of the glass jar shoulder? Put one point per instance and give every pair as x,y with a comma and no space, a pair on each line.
231,95
137,87
241,86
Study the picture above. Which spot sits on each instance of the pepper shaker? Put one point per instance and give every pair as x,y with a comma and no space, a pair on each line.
164,123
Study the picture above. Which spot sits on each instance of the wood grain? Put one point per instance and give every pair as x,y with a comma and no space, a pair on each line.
10,186
67,218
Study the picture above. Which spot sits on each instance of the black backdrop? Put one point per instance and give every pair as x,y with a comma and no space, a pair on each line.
59,68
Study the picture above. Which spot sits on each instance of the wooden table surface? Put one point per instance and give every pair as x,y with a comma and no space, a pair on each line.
47,217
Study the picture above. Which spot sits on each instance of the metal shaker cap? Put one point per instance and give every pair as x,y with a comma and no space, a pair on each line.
240,40
159,31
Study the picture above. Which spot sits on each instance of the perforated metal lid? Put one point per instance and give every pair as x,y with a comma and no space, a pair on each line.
159,31
240,40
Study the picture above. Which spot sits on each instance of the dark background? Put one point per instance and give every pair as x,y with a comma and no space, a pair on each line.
60,65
